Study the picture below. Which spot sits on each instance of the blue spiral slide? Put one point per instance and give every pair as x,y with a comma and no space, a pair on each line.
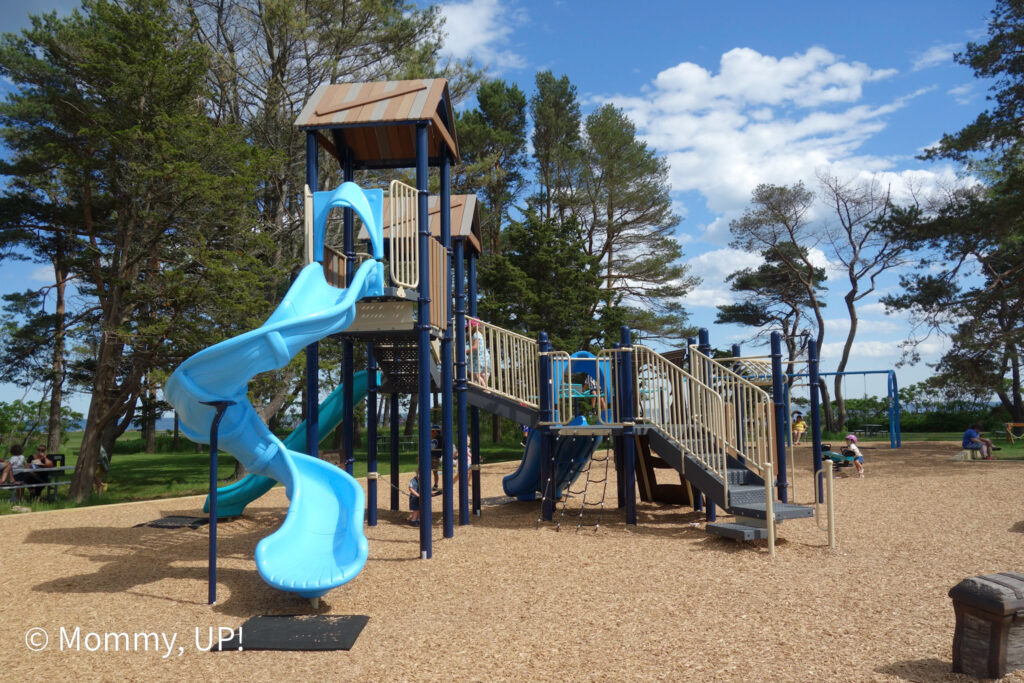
320,545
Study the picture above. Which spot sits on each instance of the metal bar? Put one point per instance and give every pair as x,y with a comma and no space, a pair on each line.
447,511
312,350
546,383
780,410
474,413
626,416
219,407
348,354
393,413
423,341
460,379
812,363
371,437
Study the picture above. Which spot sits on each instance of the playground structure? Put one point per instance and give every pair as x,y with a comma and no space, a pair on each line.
406,297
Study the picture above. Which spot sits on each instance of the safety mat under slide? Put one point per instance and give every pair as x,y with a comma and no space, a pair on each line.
297,632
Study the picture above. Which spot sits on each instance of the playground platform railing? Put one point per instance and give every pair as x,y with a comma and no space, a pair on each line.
403,235
508,363
687,411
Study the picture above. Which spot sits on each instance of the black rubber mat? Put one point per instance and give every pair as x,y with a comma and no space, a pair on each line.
297,632
177,522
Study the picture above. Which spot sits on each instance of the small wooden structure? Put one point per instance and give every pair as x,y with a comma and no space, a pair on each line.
989,638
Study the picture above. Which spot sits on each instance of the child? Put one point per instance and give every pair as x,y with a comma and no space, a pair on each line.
799,427
414,500
858,457
7,470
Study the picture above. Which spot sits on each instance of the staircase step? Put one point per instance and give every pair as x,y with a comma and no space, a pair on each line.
782,510
740,532
744,495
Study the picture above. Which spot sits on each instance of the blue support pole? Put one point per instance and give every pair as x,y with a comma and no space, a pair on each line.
704,346
895,429
393,416
779,401
220,407
371,437
446,354
815,388
423,342
474,413
547,484
460,378
626,415
312,350
347,349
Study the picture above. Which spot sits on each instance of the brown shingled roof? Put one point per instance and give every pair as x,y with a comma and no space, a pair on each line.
378,120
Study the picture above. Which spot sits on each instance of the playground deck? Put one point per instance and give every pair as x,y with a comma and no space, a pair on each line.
506,601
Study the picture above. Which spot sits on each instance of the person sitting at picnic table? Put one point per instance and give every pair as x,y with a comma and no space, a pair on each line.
39,460
974,441
7,470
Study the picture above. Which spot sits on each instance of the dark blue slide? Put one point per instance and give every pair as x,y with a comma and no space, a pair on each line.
571,454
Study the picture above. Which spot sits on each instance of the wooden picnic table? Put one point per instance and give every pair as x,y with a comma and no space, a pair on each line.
43,486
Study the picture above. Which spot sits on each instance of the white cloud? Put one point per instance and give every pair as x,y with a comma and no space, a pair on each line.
963,94
713,267
481,29
42,274
936,55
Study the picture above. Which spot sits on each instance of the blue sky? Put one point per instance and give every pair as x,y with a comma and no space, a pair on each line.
735,94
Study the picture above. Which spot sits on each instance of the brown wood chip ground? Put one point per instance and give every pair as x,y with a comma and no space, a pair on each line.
504,600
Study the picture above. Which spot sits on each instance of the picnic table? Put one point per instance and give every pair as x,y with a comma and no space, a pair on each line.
871,430
50,486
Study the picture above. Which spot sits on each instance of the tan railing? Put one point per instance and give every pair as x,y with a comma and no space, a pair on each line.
403,230
334,267
749,426
438,278
502,362
687,411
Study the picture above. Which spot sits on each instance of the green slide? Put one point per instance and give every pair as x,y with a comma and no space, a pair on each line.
232,499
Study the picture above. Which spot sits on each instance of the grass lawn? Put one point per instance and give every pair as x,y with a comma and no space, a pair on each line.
136,475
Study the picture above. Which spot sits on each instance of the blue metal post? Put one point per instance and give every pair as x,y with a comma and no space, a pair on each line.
347,349
704,346
446,353
548,488
895,429
220,407
474,412
371,437
626,415
460,378
815,388
423,342
779,401
313,350
393,413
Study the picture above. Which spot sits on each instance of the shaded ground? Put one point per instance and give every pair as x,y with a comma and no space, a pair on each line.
507,600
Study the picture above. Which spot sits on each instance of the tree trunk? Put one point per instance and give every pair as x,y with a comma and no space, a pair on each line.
495,429
175,444
57,366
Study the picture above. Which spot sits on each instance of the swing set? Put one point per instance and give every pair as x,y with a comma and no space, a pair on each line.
892,410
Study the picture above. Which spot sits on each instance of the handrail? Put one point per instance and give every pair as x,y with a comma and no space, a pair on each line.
403,231
750,427
686,410
506,365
